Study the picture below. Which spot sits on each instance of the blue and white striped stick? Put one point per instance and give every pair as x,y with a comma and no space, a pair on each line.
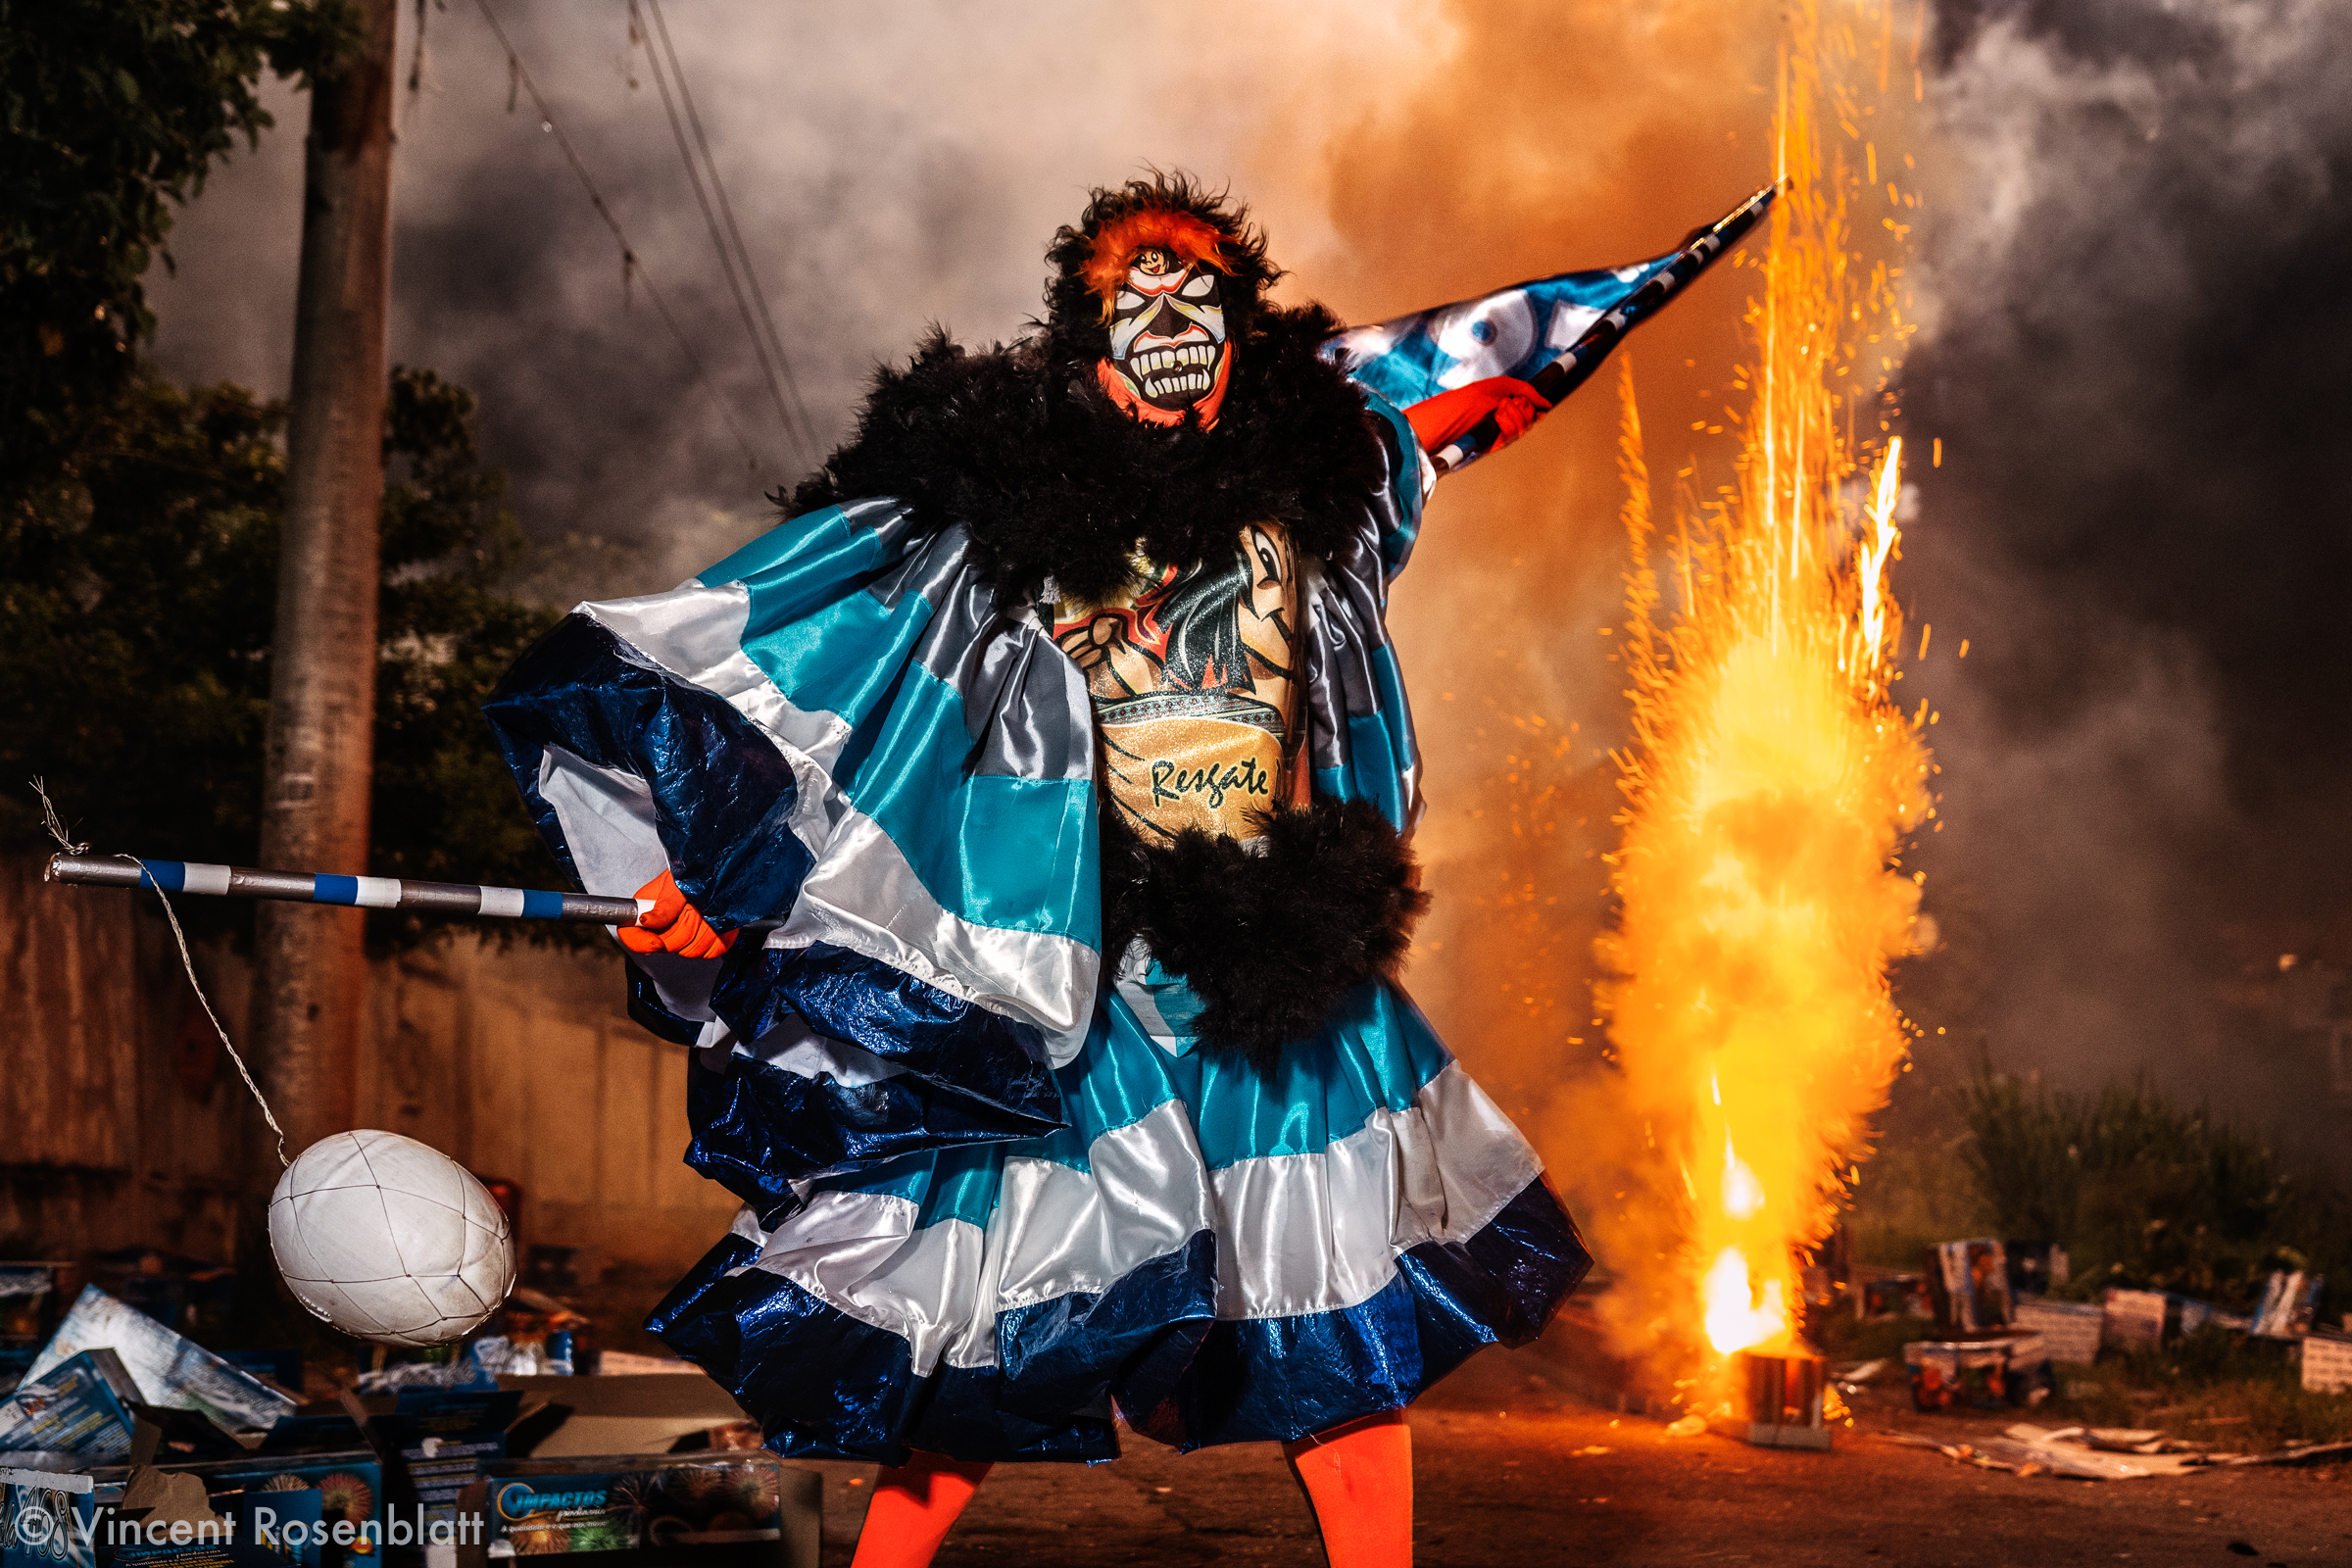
362,891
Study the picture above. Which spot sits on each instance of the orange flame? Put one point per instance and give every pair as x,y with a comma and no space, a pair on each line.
1772,778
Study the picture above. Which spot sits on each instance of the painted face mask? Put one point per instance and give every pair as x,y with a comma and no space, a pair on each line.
1168,349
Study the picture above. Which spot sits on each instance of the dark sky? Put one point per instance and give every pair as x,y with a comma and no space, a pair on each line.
2137,261
2131,270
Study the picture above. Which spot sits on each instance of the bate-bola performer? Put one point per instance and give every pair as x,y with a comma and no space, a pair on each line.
1058,727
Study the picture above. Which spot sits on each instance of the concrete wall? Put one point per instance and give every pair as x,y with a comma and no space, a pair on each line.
122,1119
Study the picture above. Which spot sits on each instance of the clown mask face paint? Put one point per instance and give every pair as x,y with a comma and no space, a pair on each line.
1168,350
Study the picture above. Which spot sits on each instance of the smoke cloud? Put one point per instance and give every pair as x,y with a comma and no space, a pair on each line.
2131,268
889,167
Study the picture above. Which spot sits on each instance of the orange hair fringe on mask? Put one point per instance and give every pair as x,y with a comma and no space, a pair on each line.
1115,246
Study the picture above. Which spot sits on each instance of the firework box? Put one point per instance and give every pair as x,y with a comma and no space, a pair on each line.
1784,1399
138,1518
2290,1301
2328,1363
2036,1266
740,1509
2030,1378
316,1490
169,1368
45,1517
1896,1296
439,1442
81,1406
1971,1283
1958,1374
2134,1320
2195,1314
595,1415
2070,1329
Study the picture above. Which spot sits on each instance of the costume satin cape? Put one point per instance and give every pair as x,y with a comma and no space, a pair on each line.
840,730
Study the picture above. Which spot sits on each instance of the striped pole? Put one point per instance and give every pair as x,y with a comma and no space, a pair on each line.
360,892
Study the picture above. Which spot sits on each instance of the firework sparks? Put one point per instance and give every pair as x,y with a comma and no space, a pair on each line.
1772,777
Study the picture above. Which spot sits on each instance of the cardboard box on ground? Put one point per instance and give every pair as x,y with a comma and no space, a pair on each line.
128,1445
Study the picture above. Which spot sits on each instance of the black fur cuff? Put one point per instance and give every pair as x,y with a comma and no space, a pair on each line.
1268,942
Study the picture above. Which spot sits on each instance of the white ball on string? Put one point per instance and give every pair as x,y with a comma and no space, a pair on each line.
390,1240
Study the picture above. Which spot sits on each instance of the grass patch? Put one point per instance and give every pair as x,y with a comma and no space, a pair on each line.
2147,1193
2258,1407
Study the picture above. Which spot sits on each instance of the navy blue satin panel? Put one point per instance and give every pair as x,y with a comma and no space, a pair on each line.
645,1007
1516,1272
1066,1354
757,1128
967,1416
958,1044
1281,1378
825,1386
722,793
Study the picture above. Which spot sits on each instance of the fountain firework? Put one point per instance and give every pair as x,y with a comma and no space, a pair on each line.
1772,778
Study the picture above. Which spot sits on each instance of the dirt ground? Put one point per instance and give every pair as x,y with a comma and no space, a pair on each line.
1509,1468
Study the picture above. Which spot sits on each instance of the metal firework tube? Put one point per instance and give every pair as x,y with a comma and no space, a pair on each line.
358,892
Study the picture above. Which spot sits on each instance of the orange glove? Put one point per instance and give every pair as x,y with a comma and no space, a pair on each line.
672,925
1515,405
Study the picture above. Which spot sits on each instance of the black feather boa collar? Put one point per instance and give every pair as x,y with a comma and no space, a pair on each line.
1054,482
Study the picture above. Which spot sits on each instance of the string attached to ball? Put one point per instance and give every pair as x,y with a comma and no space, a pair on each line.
57,831
377,1235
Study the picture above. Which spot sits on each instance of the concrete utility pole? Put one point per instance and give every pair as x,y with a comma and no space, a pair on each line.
311,973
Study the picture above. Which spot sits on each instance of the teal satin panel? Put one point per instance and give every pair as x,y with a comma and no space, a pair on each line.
1375,1053
843,657
1399,535
1016,853
800,565
943,1184
1379,746
1011,854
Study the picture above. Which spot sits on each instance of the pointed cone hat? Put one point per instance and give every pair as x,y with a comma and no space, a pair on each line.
1548,335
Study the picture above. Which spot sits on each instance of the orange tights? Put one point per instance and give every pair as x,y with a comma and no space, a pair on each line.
913,1505
1358,1478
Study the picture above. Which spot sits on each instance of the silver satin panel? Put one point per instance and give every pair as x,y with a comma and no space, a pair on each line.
1026,719
608,822
1141,1198
1296,1233
1311,1233
793,1046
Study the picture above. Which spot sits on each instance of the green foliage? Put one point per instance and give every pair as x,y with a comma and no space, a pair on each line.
139,589
111,111
444,807
2214,1387
2146,1193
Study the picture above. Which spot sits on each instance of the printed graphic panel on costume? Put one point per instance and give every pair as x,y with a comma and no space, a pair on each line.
1194,682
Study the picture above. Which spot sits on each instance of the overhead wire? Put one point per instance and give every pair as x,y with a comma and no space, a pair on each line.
734,263
727,211
517,71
